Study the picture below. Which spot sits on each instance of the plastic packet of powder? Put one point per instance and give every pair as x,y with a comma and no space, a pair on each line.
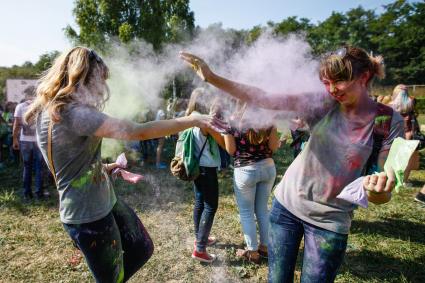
355,193
400,152
127,176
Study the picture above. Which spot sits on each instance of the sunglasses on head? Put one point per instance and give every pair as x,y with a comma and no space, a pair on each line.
340,52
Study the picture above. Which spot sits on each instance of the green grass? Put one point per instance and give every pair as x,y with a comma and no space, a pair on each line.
386,244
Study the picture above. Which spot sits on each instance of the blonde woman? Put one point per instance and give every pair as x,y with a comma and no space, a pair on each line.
205,186
339,147
70,97
405,105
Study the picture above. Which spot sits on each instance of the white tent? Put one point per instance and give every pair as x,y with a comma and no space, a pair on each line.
15,89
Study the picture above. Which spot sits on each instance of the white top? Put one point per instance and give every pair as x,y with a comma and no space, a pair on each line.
27,131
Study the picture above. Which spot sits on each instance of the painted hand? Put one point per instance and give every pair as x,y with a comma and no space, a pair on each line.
383,182
198,65
210,121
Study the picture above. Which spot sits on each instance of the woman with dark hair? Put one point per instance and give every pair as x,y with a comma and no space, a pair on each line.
340,145
70,127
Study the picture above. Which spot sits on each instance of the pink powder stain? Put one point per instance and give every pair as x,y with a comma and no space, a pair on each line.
243,141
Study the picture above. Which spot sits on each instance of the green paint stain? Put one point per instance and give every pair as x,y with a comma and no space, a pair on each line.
83,180
381,119
326,246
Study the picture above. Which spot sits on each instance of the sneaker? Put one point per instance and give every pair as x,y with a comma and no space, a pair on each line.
28,196
263,251
211,241
420,197
203,256
252,256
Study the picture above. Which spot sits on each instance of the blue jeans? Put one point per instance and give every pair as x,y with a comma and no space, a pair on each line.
116,246
33,160
206,203
323,250
253,185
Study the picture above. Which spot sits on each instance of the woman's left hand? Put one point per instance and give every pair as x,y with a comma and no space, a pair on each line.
383,182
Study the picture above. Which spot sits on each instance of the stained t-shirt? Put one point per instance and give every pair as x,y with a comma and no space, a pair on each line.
334,156
247,153
85,191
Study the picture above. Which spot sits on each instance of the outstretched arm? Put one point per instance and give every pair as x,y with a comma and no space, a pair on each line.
127,130
247,93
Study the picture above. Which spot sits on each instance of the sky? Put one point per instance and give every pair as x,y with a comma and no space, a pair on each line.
29,28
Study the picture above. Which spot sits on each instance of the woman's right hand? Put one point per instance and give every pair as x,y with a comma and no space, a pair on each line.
198,65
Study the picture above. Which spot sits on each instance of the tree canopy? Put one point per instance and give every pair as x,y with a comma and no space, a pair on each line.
397,33
155,21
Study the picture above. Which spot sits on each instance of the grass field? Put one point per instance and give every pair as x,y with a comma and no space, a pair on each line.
386,244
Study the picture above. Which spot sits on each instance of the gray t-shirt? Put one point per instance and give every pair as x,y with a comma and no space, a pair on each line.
334,156
85,191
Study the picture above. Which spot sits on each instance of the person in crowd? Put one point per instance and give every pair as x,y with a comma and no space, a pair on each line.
24,139
253,178
340,144
70,127
7,115
299,134
4,131
147,147
405,105
205,186
159,143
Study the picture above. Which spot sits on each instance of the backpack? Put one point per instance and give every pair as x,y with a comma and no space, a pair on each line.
381,130
185,165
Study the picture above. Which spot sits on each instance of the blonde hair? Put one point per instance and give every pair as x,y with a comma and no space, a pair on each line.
78,75
197,102
351,64
401,102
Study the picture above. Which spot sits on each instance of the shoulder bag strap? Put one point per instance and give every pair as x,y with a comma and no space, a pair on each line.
49,150
202,150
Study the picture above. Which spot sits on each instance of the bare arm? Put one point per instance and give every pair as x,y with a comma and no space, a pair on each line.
384,182
126,130
17,125
243,92
273,140
230,144
216,136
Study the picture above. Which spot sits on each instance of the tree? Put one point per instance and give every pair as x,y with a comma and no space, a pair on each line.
156,21
401,39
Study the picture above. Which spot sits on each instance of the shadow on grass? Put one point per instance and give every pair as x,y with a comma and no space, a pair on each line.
11,191
376,266
391,228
